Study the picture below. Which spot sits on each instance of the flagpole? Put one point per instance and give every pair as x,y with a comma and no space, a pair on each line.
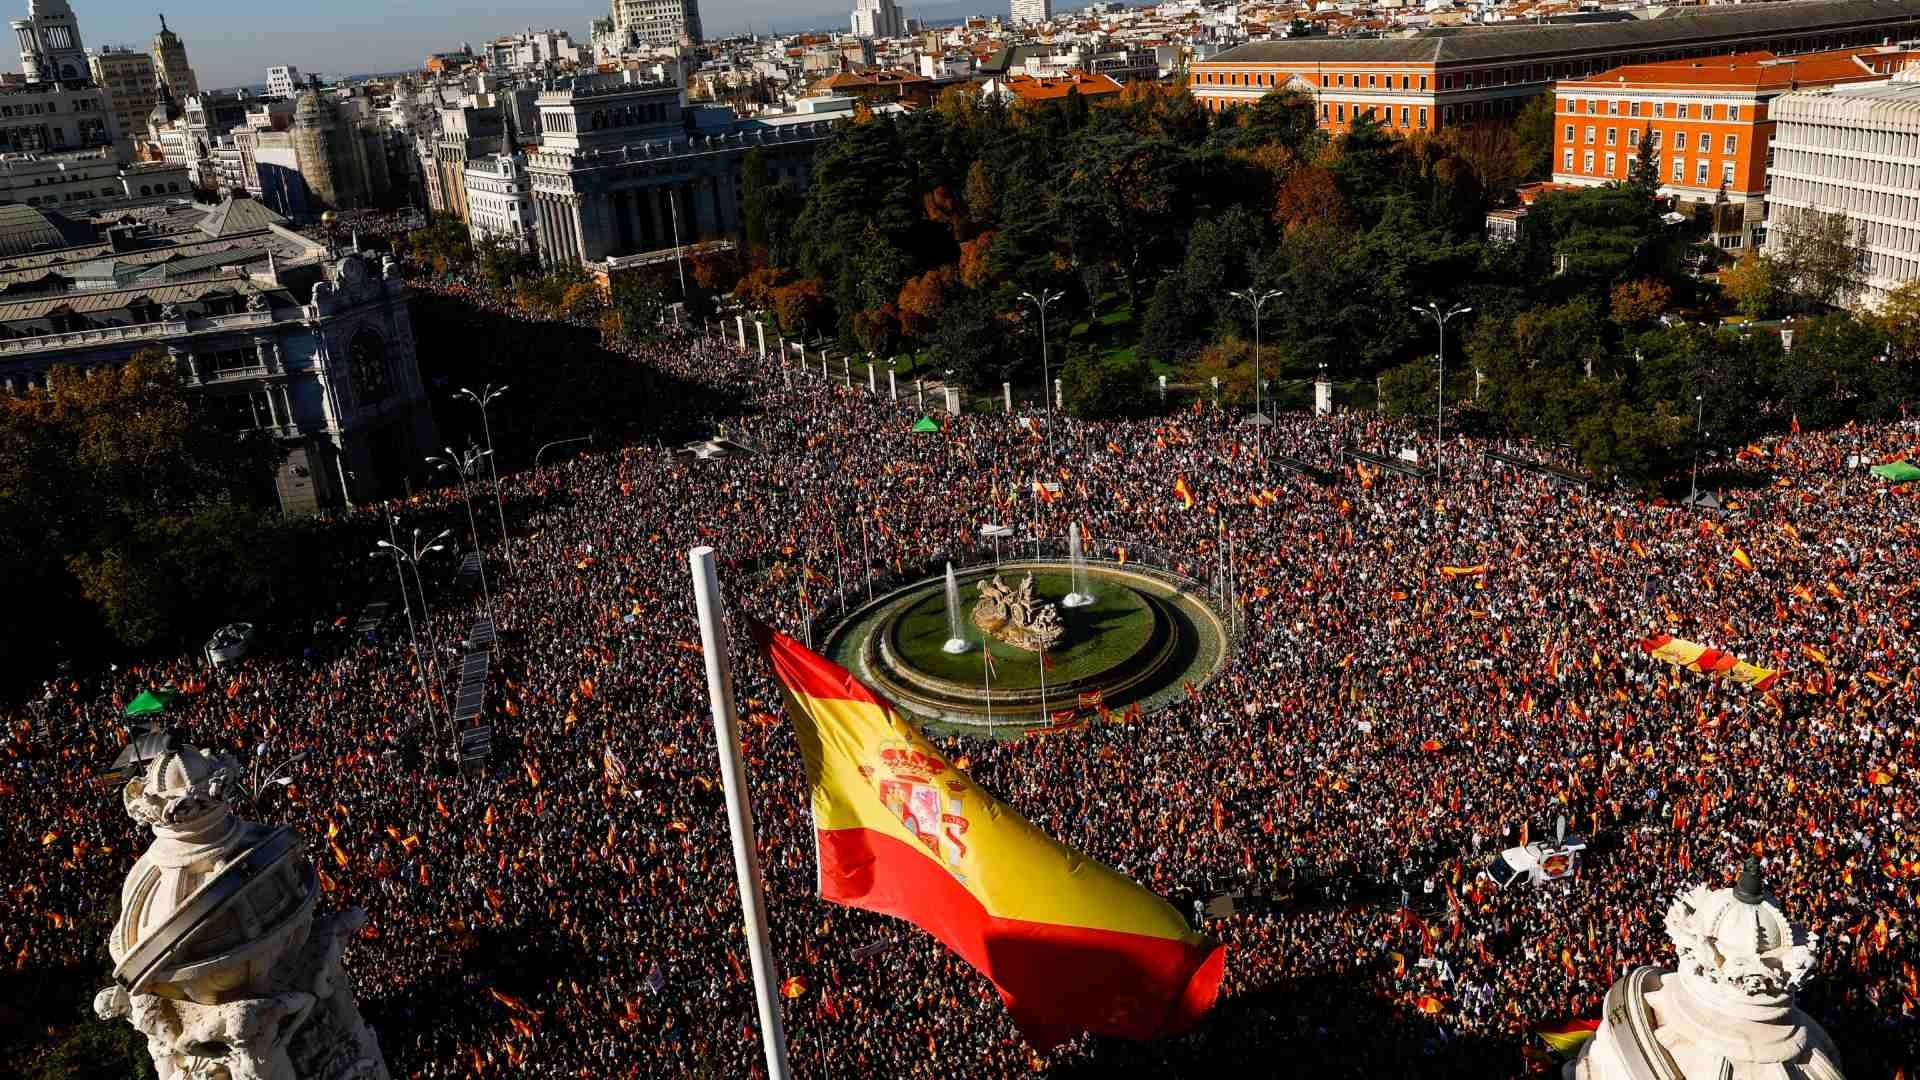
746,860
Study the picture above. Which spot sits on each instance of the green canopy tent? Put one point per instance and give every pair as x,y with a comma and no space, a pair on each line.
926,426
151,702
1900,472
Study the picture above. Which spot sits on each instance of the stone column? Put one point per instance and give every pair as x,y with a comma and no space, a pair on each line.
1006,392
662,229
893,390
760,330
872,388
286,405
740,321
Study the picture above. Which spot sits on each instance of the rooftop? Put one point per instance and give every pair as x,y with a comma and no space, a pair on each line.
1466,44
1033,88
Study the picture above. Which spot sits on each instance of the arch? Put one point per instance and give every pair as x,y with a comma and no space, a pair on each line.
146,189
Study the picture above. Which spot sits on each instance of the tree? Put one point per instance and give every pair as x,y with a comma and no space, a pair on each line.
1752,284
972,338
1410,389
1641,301
1533,138
1898,321
1645,174
1822,257
1093,387
800,307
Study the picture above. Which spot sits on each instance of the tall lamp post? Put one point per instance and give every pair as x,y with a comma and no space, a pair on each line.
464,468
420,549
1257,300
1043,301
276,777
1440,320
1699,421
484,399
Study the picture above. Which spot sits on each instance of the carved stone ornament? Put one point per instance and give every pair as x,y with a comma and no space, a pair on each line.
1016,617
218,959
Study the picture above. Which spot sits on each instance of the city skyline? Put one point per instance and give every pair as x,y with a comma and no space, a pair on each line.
355,37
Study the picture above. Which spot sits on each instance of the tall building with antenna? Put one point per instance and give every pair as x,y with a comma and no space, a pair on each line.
170,63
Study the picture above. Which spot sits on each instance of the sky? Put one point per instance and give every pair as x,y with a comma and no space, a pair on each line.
233,42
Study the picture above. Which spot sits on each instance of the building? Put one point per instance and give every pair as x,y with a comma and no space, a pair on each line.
328,158
170,63
1031,12
1447,76
1854,150
1727,1009
283,81
1036,90
312,347
1708,121
655,23
128,78
532,49
50,45
499,200
466,133
878,19
618,173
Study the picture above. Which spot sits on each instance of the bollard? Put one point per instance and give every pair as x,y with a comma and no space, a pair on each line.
1006,392
893,391
872,387
1163,389
920,388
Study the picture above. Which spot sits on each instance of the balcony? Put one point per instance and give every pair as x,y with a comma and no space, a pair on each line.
138,332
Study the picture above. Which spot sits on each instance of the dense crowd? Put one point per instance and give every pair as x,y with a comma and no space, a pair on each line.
1381,728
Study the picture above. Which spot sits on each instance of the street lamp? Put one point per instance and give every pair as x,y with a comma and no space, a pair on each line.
1440,320
420,549
275,777
464,467
1257,300
1699,421
484,399
1044,301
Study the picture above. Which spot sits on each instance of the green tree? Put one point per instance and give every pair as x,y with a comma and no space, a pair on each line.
1821,257
1645,174
1533,133
1410,389
1093,387
1752,284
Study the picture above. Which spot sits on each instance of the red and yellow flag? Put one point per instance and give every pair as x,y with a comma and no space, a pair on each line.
1565,1037
1476,570
1182,492
1071,944
1697,657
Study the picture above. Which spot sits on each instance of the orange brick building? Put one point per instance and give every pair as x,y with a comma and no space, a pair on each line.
1460,75
1707,120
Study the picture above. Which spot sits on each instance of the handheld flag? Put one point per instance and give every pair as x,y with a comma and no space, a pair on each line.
1182,492
1071,944
1565,1037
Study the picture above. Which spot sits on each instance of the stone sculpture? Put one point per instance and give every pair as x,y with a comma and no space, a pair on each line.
218,959
1727,1012
1017,617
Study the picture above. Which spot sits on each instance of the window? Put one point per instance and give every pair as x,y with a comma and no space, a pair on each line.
1586,163
1679,169
1566,160
1733,143
1340,113
1700,174
1726,172
1680,110
1636,108
1343,80
1423,115
1633,162
1613,136
1423,82
1405,114
1613,107
1325,81
1589,136
1659,108
1569,137
1679,140
1733,112
1370,82
1612,160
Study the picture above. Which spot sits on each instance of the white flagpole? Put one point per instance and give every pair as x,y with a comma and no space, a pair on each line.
733,779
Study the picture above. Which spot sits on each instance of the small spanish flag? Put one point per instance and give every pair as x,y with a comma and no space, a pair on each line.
1182,492
1476,570
1565,1037
793,987
1740,557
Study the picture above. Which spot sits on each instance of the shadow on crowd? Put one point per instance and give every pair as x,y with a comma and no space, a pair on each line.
1303,1026
565,382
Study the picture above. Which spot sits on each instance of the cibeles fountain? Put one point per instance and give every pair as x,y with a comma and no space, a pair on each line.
1727,1012
218,958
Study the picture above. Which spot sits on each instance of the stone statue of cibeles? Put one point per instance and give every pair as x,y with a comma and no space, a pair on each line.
218,959
1017,617
1727,1011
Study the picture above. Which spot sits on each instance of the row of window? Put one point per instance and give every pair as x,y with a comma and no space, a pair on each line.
1860,204
1702,168
1894,144
1886,176
1682,110
1382,113
1730,143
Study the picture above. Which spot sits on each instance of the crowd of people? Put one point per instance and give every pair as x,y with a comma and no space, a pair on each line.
569,910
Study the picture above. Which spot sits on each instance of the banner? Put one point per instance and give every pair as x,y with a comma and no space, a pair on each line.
1696,657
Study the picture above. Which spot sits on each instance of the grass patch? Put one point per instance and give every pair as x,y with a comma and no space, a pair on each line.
1115,627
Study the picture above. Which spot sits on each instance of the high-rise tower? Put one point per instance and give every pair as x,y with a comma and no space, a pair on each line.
50,47
658,22
878,19
170,63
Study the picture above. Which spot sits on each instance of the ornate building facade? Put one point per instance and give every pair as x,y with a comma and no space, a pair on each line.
622,171
57,107
311,347
170,63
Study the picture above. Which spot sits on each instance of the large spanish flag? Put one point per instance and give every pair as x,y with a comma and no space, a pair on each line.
1071,944
1697,657
1565,1037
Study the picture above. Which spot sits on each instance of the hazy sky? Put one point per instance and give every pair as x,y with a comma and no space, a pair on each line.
233,42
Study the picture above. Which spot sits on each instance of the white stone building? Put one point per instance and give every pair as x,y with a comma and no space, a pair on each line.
1853,150
1031,12
500,200
658,22
283,81
127,77
878,19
